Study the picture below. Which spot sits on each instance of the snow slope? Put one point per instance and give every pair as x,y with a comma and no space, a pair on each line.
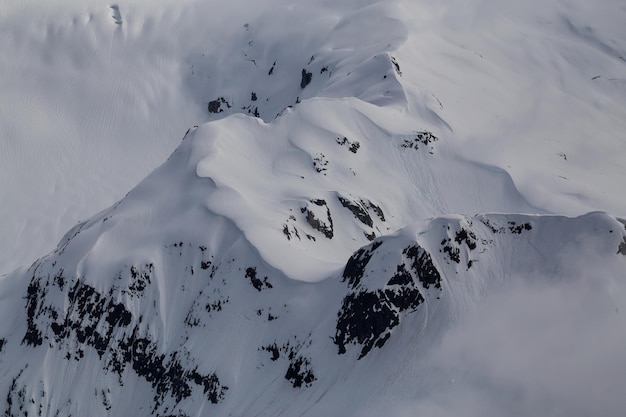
205,326
90,105
535,89
319,234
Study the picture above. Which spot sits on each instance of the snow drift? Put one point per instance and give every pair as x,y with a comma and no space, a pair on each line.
351,217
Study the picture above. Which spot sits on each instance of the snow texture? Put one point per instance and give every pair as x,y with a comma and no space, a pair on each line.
369,208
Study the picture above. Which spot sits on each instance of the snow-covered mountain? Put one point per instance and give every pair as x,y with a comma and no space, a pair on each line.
382,207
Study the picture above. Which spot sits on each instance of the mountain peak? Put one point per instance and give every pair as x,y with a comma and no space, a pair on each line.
374,203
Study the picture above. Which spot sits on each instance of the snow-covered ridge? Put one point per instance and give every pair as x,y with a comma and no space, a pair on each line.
320,53
95,96
319,234
309,188
199,258
314,185
164,319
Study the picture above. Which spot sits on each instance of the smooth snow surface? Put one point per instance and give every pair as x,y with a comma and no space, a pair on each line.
95,96
393,207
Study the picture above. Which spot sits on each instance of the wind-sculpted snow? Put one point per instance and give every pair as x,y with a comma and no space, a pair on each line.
314,237
198,323
96,95
333,195
238,273
278,66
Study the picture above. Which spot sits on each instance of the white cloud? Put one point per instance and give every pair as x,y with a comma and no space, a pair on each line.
535,349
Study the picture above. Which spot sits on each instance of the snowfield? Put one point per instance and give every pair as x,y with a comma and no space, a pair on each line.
312,208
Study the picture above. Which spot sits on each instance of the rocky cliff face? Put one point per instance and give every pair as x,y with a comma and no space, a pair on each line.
196,327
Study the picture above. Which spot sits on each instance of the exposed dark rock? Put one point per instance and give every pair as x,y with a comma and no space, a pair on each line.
216,305
357,210
320,163
289,233
421,139
401,277
300,373
19,395
33,336
306,78
253,110
191,320
106,401
253,96
512,227
377,210
492,227
317,224
353,146
271,71
140,278
273,349
454,253
467,237
324,227
464,237
215,106
402,292
355,267
116,14
365,319
622,248
367,316
90,320
280,113
165,373
89,310
396,66
59,280
117,315
519,228
257,283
